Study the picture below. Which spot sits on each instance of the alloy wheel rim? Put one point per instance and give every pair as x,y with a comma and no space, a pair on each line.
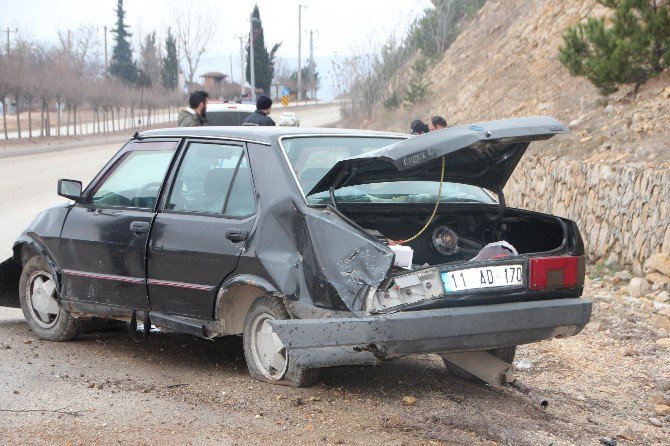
268,352
41,286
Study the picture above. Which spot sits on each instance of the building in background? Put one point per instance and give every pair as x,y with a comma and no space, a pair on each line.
213,83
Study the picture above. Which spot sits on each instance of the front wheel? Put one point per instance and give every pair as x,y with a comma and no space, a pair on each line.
267,359
37,294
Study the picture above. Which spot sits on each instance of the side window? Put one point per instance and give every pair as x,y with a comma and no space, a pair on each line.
135,181
241,200
204,178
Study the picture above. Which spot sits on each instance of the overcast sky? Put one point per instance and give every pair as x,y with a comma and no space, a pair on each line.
340,26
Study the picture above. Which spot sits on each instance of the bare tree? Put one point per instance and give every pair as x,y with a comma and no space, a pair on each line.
356,81
194,27
43,63
77,44
4,90
59,83
71,76
283,74
19,67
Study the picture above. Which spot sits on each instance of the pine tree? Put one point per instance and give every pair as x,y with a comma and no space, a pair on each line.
440,25
264,62
630,50
419,84
122,64
150,62
170,64
306,71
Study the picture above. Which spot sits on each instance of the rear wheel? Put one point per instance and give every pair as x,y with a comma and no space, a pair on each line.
503,353
267,359
37,294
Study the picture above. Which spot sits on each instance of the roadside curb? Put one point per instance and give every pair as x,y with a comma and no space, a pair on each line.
57,147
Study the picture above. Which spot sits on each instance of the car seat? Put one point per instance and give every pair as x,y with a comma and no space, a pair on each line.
215,185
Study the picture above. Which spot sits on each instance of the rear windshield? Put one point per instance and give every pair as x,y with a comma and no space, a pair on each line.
312,157
226,117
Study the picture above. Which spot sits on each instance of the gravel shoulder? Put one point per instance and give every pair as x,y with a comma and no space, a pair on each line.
174,389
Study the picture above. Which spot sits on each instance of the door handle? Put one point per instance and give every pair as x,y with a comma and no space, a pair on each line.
139,227
237,235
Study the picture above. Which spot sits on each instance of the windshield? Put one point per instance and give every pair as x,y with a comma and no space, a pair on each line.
312,157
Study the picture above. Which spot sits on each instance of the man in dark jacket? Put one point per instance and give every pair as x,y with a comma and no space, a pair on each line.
418,127
260,116
194,116
437,123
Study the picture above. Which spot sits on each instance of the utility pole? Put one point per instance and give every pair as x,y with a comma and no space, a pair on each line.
251,58
299,51
106,59
241,67
231,69
311,63
9,30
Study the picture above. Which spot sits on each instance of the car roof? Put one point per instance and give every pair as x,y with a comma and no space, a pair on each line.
261,134
229,107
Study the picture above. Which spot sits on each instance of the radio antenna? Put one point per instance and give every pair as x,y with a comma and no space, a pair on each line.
139,120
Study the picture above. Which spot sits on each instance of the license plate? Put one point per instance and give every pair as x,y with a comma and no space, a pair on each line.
483,277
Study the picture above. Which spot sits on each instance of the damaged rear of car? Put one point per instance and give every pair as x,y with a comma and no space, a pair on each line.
447,267
320,247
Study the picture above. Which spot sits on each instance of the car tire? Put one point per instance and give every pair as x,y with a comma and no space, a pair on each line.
267,360
504,353
38,298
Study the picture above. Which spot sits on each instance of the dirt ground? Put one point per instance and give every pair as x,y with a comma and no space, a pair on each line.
174,389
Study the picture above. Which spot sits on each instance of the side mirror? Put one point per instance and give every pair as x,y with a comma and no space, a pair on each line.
70,189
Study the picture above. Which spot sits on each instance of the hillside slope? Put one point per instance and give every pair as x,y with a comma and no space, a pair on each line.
505,64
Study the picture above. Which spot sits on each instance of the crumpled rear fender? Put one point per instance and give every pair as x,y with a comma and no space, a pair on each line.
318,256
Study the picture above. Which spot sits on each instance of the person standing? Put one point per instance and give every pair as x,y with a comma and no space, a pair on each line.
260,116
418,127
437,123
194,115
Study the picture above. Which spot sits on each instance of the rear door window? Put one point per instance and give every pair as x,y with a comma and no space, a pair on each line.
241,199
205,177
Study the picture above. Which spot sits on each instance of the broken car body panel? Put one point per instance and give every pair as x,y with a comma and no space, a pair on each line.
432,331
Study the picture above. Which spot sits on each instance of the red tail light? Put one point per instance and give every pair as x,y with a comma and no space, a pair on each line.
556,272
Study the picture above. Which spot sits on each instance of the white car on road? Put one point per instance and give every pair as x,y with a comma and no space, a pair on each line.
289,119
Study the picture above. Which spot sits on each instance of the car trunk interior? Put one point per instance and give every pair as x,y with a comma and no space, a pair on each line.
475,226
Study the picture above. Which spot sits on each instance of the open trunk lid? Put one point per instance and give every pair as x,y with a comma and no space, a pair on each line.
483,154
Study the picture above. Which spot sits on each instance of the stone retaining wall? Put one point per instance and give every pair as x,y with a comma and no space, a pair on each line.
623,211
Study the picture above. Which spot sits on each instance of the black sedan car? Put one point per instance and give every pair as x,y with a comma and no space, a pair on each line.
319,247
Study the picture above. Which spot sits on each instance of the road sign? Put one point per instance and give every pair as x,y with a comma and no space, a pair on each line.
284,100
285,92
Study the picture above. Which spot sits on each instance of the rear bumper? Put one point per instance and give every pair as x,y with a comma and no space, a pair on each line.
325,342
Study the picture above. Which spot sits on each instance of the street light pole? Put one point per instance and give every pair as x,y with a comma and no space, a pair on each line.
241,67
9,30
106,59
311,63
231,68
299,51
